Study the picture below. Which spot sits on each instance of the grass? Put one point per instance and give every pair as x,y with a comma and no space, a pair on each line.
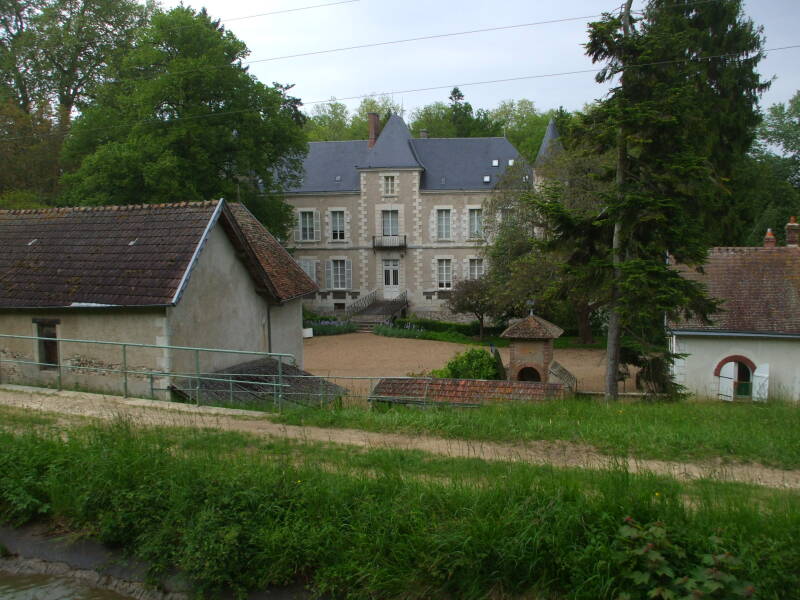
684,431
236,511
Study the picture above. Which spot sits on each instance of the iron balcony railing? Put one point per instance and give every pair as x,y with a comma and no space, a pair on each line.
388,242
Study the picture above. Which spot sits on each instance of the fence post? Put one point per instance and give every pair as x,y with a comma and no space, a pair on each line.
230,388
197,377
280,384
152,390
321,392
125,370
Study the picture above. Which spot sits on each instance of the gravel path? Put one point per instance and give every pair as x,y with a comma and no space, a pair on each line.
369,355
558,454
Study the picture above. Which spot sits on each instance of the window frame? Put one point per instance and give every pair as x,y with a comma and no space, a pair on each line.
342,275
388,213
386,189
475,234
444,273
474,273
47,348
304,229
338,231
440,212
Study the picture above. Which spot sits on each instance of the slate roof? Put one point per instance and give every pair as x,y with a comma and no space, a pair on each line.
759,288
551,144
138,255
447,163
465,392
532,328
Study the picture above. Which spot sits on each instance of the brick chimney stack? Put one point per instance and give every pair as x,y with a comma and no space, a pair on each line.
792,232
769,239
374,125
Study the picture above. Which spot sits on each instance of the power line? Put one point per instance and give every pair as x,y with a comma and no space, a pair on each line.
392,42
542,76
437,87
288,10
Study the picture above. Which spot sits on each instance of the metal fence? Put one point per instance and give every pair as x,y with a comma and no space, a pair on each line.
204,376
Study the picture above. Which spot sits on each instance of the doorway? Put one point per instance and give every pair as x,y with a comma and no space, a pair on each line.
528,374
391,278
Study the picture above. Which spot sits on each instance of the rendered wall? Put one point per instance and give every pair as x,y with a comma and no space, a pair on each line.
218,309
83,365
696,371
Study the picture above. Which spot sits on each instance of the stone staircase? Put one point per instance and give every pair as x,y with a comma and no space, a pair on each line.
377,312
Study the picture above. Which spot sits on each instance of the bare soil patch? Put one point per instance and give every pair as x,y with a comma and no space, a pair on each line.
558,454
369,355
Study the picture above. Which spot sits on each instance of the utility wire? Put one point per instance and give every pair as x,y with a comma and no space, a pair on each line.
425,89
288,10
392,42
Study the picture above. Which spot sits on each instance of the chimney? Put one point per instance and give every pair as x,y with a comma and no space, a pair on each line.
769,239
374,125
792,232
423,133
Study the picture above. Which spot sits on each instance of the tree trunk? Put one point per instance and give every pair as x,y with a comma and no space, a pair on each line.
480,324
614,321
583,314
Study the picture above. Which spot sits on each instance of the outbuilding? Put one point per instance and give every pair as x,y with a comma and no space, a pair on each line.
200,275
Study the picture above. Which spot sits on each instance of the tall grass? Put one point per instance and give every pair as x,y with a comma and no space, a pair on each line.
766,433
234,511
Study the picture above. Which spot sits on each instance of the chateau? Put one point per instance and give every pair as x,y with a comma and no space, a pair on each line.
394,217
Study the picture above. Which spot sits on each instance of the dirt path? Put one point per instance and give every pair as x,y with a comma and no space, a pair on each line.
558,454
368,355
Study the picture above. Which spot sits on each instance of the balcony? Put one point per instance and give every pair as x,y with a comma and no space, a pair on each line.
388,242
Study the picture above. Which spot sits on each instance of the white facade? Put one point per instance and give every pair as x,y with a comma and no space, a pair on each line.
738,366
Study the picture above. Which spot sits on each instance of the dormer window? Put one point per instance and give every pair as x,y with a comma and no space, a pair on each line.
487,178
510,162
338,178
495,163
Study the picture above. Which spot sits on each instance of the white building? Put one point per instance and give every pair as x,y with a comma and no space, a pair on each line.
752,348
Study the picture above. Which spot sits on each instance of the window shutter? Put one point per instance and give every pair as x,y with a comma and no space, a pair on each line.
317,229
348,274
317,274
761,383
726,378
298,228
329,274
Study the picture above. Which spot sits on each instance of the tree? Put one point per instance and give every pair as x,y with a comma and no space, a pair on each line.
475,363
781,127
383,106
523,125
328,122
473,296
183,121
677,119
458,119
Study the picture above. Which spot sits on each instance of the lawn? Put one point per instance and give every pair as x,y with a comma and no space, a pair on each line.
236,511
685,431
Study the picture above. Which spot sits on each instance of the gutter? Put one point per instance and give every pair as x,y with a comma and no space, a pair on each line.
789,336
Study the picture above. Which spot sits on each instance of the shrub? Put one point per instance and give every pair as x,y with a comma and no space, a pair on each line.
472,364
331,327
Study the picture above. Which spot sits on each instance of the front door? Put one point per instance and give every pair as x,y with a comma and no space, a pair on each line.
391,278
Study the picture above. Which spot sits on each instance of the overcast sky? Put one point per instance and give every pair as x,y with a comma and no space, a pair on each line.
458,60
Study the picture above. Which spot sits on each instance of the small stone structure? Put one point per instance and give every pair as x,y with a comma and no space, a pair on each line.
531,350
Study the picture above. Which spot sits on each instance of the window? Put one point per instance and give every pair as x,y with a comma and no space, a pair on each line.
443,223
307,226
495,162
445,273
389,185
337,225
475,223
339,274
310,268
510,162
475,268
391,222
487,178
48,347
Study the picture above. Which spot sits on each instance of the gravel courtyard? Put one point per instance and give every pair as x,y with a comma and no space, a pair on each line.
369,355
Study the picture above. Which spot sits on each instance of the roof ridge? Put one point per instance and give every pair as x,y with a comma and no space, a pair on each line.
104,208
489,137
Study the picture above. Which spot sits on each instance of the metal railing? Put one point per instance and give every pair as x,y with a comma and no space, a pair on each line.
361,304
148,370
397,304
390,242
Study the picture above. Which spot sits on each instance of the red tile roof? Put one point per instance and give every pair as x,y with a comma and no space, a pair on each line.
759,289
286,278
138,255
467,392
533,328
